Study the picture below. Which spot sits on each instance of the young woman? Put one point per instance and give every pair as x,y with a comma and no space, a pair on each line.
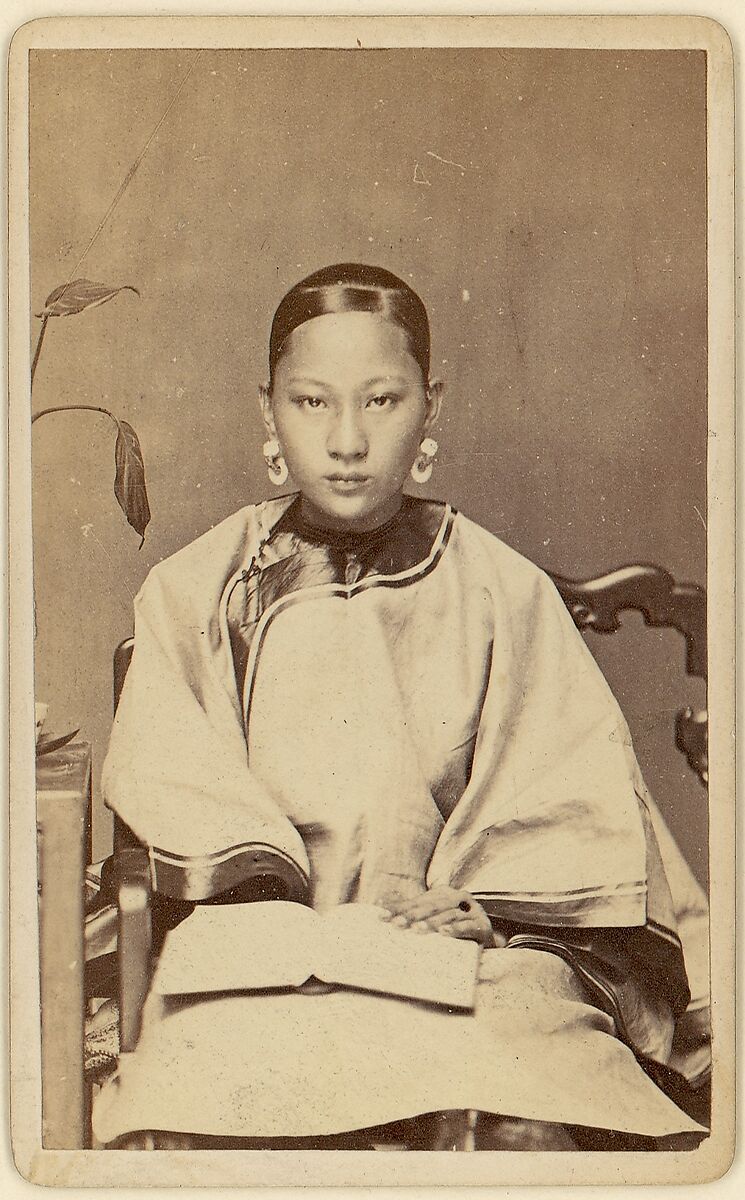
394,708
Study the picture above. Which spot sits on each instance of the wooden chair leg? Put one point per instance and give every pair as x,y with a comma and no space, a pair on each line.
135,942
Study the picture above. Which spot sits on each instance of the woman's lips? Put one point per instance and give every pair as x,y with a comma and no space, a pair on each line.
347,483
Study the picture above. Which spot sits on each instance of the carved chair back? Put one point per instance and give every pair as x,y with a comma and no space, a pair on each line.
597,604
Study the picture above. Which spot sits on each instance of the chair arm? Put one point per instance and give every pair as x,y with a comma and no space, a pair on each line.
134,896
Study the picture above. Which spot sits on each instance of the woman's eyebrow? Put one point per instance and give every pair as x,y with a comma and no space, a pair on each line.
396,380
297,380
307,381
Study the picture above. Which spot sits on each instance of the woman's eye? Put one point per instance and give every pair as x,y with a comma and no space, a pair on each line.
310,401
382,401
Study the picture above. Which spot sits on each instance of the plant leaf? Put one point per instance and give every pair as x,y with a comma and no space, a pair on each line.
79,294
129,483
47,744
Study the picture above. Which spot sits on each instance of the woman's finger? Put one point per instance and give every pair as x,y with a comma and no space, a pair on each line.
445,923
428,903
437,920
459,929
423,913
468,931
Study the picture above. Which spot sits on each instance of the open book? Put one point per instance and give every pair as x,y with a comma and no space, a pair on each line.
278,944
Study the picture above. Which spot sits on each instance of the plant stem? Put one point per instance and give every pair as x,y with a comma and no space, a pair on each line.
44,412
37,352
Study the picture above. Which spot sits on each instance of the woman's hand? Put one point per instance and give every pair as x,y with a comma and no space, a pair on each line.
446,910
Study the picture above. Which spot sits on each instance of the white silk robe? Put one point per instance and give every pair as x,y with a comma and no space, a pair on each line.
419,713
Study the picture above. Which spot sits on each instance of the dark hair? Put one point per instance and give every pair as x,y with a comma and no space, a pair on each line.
352,287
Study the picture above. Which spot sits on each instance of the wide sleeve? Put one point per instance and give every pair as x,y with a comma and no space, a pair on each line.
176,771
554,833
551,825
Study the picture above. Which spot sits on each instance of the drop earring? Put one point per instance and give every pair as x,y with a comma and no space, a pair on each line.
275,463
422,466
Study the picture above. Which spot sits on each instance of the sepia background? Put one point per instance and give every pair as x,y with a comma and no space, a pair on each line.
549,206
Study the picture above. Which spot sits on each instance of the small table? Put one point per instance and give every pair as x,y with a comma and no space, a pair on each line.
63,822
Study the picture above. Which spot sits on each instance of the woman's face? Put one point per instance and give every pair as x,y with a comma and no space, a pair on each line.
349,408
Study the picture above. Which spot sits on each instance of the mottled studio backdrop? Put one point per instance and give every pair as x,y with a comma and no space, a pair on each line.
548,205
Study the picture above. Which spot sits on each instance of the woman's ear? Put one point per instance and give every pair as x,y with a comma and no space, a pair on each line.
434,403
265,400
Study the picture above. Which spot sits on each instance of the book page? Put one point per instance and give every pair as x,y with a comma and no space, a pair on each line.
361,950
238,947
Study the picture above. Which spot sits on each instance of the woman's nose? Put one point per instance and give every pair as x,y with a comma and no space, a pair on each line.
347,437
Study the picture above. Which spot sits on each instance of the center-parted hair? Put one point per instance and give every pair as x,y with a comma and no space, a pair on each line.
352,287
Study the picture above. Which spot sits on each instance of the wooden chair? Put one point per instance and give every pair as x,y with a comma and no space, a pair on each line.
597,604
594,604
